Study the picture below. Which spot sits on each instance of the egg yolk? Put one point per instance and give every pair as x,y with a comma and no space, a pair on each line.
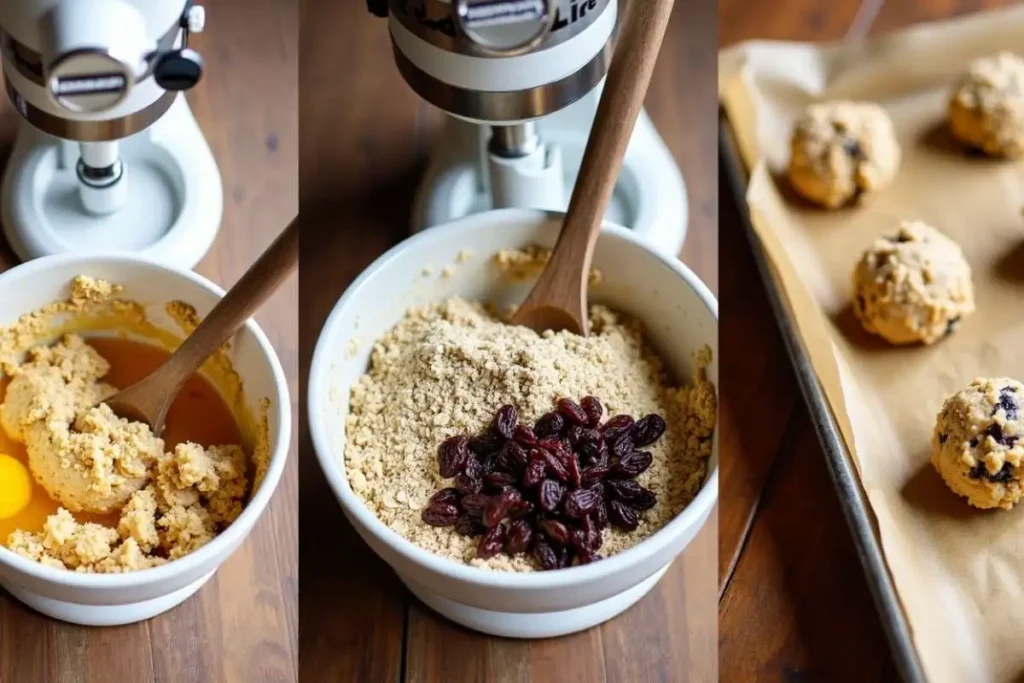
15,486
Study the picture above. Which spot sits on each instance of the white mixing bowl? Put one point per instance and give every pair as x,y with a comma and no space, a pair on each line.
111,599
681,315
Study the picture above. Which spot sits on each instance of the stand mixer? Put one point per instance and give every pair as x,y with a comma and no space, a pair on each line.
108,155
521,80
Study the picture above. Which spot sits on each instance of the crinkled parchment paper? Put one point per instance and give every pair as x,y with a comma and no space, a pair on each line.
959,571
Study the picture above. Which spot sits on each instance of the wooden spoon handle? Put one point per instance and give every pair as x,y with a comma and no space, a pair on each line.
238,305
625,87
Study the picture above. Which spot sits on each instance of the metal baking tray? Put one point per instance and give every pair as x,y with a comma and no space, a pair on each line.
840,466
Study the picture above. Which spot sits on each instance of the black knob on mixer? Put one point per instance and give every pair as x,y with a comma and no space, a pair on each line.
179,69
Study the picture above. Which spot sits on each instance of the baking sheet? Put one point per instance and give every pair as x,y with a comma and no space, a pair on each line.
957,571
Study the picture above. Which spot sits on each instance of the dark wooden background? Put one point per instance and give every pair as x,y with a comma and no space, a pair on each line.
365,142
243,625
794,604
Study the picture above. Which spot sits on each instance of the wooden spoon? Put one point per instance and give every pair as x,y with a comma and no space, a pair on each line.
559,299
149,399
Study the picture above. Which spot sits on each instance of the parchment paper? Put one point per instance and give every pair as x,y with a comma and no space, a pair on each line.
958,571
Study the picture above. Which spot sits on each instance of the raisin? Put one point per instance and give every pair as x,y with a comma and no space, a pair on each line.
524,436
1003,476
491,543
468,484
555,467
545,555
600,515
572,466
580,502
505,421
512,457
623,446
942,437
452,456
564,554
487,463
645,501
535,472
594,410
616,427
550,424
550,494
573,413
520,509
1008,403
622,516
973,442
951,325
440,514
519,537
555,530
556,446
623,489
475,503
593,536
486,443
499,480
899,238
853,148
633,464
593,474
498,507
595,453
449,495
470,525
573,435
648,429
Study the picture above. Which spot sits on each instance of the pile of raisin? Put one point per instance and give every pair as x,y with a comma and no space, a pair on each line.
548,489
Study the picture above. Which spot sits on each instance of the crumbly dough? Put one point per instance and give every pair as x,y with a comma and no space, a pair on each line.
977,444
840,150
528,262
87,458
446,368
194,495
913,287
986,109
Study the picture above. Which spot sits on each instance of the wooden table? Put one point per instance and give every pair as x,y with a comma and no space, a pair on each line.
365,142
243,625
794,603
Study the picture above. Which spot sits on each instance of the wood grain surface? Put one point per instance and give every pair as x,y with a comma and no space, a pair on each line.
243,625
366,138
794,604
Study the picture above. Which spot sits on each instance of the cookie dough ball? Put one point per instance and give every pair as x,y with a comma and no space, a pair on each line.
913,286
986,110
978,442
840,150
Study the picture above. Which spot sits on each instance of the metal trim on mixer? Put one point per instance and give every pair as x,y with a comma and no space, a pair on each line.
90,131
517,105
433,22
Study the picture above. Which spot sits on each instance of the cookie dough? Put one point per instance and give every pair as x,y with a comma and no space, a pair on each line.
978,442
986,109
913,286
84,456
840,150
195,494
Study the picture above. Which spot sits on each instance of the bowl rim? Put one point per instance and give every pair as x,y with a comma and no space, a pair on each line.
237,530
353,506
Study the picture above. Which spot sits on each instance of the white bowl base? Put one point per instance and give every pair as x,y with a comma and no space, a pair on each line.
106,615
535,624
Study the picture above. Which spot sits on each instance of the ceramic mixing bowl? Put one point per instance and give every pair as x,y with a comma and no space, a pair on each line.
681,316
109,599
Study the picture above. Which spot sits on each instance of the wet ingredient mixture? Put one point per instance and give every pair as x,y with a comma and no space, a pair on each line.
137,500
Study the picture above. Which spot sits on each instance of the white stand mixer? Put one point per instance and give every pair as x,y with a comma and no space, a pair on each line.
521,80
108,155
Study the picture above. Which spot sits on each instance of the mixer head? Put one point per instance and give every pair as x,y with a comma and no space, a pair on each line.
501,61
98,70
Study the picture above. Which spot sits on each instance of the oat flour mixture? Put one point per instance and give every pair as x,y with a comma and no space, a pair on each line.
445,370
